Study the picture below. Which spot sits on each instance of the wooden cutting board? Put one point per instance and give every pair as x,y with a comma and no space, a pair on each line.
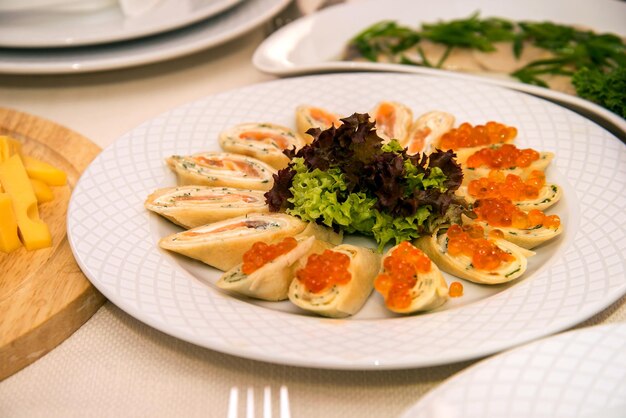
44,297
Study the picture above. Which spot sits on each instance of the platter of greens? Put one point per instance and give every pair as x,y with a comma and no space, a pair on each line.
581,47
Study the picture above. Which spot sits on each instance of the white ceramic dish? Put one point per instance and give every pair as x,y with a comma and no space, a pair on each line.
115,239
576,374
208,33
54,29
315,43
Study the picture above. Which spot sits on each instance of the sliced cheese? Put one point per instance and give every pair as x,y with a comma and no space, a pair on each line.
43,192
8,147
43,171
33,231
9,240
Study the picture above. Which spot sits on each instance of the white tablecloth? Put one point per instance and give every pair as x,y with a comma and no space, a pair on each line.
117,366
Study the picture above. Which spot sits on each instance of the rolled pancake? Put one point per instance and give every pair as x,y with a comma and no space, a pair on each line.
271,281
470,174
393,121
429,292
528,238
222,170
263,141
193,206
340,301
308,117
426,131
435,246
222,244
549,194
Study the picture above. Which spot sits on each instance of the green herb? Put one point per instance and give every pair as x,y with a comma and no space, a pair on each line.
473,32
608,89
596,63
513,272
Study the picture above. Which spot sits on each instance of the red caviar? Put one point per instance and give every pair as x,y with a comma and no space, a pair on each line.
456,290
401,269
502,212
467,135
261,253
505,156
470,240
512,187
322,271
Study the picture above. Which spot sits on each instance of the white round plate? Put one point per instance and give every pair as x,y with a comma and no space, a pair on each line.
315,43
576,374
54,29
207,33
115,239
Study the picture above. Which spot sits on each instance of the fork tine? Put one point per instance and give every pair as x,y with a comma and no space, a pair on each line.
232,402
284,402
267,402
250,404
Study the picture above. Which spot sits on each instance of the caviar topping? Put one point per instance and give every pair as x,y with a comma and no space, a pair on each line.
470,241
261,253
502,212
511,187
467,135
456,290
401,268
323,271
505,156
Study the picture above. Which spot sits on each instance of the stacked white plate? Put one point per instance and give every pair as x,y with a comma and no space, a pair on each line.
67,36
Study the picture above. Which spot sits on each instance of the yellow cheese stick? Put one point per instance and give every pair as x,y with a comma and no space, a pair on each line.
43,192
9,240
8,147
33,231
43,171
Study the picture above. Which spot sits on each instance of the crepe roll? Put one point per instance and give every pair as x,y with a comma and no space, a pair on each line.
222,244
470,253
222,170
525,229
529,194
263,141
193,206
323,233
393,121
426,131
308,117
335,283
268,269
467,138
409,281
506,158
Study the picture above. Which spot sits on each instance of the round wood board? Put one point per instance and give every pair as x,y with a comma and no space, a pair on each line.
44,297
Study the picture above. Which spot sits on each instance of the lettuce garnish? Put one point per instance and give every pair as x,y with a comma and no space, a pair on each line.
348,179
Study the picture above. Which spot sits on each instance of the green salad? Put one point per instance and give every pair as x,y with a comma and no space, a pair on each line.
594,63
349,180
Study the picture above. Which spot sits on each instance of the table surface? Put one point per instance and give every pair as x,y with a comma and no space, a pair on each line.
117,366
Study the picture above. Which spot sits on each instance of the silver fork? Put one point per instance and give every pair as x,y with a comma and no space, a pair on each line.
293,11
283,410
